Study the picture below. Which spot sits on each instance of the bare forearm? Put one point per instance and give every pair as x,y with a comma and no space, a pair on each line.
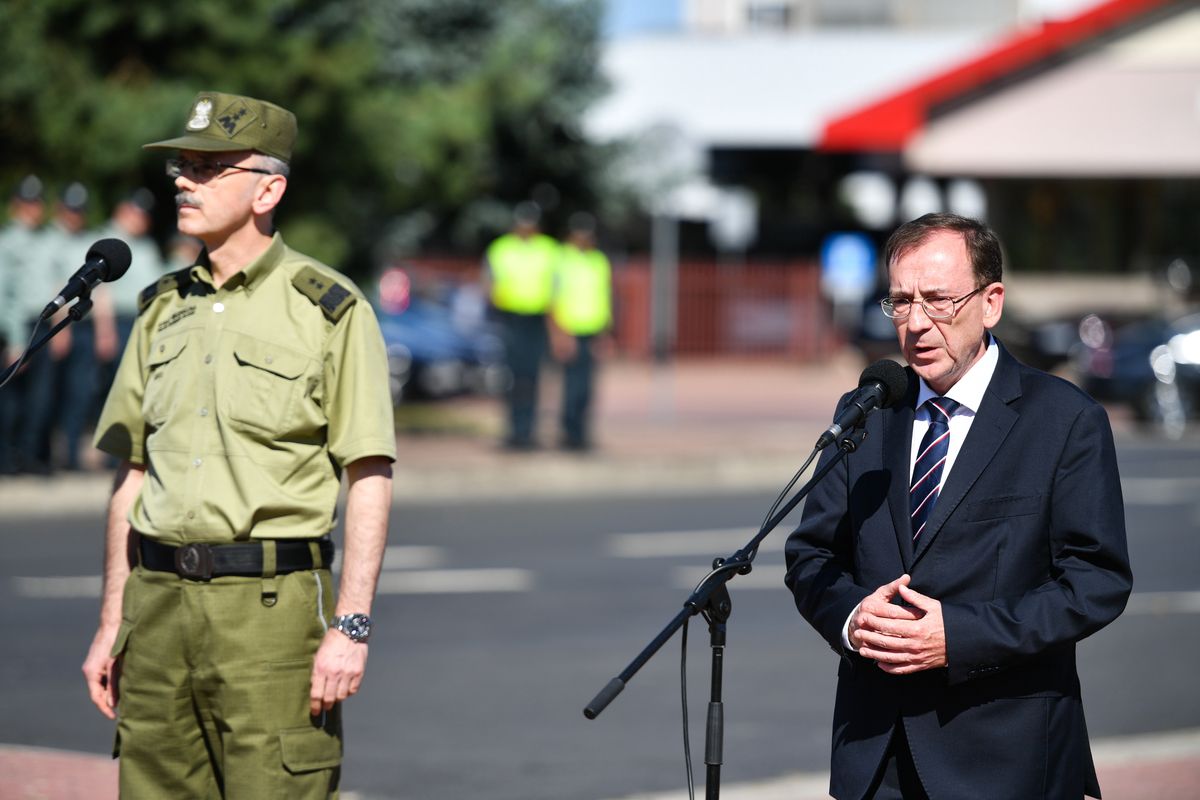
118,541
368,501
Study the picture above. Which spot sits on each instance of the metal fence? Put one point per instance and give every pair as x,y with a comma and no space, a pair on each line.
742,308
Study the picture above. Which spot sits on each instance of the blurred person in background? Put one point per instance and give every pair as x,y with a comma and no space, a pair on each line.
518,277
19,252
182,252
956,560
89,343
130,222
251,381
582,315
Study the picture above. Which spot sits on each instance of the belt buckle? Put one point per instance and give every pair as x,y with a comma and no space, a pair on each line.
194,561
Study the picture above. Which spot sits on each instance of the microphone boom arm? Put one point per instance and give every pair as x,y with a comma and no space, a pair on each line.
724,570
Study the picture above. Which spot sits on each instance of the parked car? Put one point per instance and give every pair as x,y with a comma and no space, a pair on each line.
438,340
1150,365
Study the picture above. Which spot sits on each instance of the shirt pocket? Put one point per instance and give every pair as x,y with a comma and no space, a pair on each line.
164,377
261,389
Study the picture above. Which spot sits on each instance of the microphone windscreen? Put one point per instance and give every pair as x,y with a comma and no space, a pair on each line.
891,376
115,255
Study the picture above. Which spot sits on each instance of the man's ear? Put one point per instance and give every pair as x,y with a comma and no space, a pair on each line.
269,193
993,304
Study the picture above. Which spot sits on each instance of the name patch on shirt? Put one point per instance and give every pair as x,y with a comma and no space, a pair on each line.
178,316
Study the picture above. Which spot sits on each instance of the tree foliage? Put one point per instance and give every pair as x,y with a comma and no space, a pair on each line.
421,121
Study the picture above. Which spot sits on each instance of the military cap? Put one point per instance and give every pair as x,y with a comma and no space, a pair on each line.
221,123
29,190
75,196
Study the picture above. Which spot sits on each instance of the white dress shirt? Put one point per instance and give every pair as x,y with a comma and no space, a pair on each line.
968,393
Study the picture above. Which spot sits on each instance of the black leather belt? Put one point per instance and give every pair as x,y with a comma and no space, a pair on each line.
205,561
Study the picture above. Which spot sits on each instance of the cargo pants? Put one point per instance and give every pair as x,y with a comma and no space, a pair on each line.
214,688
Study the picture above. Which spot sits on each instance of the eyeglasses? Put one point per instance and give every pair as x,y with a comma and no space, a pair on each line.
205,171
934,307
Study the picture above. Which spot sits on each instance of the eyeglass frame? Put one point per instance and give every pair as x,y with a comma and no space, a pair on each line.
177,167
888,303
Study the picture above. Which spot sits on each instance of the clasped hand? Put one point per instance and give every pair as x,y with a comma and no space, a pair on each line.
900,639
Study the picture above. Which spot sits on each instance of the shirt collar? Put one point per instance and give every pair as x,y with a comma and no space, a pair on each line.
250,276
970,388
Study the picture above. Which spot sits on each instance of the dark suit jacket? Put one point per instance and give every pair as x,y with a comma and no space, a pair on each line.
1026,552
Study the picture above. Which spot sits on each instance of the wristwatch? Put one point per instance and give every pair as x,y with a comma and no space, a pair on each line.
356,626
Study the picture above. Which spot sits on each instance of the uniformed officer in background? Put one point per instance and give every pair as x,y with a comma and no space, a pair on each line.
19,246
250,382
582,316
81,349
519,280
130,222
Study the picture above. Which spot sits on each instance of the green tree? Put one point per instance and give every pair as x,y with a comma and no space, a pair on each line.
421,121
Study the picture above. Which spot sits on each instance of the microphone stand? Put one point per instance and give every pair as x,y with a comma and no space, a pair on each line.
711,599
75,313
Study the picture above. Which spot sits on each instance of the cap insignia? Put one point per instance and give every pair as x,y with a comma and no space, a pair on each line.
200,115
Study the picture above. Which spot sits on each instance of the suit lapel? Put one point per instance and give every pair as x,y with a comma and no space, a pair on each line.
897,441
993,421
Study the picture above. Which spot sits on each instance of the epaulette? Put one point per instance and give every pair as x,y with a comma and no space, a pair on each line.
167,283
332,298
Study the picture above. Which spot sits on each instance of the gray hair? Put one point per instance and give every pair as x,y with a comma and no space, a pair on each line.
277,166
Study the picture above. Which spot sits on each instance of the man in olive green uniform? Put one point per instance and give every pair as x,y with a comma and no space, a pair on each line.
582,314
250,382
519,279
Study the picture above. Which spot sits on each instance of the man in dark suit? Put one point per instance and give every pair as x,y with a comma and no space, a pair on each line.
955,560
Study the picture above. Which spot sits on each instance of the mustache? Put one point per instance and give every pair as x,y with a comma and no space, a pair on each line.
186,198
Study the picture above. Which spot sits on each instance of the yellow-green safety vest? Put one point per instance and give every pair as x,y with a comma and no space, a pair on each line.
522,272
583,294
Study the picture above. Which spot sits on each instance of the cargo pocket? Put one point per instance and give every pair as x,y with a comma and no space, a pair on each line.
122,638
309,749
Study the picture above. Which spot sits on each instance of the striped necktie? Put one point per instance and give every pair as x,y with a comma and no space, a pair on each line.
927,471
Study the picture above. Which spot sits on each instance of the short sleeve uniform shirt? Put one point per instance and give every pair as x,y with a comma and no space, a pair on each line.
245,402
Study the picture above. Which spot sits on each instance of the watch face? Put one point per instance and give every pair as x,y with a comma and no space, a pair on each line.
356,626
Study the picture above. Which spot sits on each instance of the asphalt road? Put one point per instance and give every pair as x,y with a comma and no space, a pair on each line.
497,622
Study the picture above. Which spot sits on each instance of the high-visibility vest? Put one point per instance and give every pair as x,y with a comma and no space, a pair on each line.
583,291
522,272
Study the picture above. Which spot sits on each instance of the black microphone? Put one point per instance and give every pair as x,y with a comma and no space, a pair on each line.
107,260
879,386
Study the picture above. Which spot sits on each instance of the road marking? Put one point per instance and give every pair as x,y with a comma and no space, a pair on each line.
455,581
712,541
765,576
1164,603
58,587
1160,491
405,557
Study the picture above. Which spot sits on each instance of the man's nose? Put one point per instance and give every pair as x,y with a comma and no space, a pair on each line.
918,318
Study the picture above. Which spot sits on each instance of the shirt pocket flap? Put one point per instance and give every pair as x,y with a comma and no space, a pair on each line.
165,350
269,358
309,749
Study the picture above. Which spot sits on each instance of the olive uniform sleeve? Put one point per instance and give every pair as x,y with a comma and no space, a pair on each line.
121,431
358,402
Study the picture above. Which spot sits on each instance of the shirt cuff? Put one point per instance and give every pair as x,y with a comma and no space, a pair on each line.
846,631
